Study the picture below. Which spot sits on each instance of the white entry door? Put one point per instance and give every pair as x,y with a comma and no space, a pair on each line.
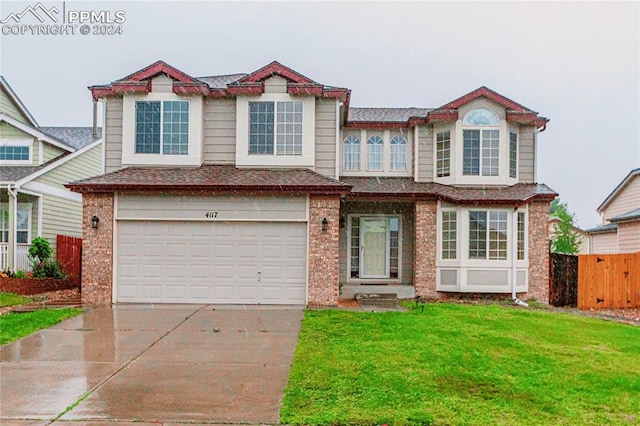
374,249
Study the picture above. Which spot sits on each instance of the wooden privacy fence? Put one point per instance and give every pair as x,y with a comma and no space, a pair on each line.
69,256
563,276
609,281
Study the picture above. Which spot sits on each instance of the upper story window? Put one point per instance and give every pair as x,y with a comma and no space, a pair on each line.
481,147
275,128
443,154
14,153
374,153
398,153
513,154
162,127
351,153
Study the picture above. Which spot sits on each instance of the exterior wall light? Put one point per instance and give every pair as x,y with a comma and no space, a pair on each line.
94,221
325,224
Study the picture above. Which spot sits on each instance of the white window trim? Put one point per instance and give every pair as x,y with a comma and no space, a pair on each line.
18,142
195,149
28,207
162,129
512,130
463,264
344,153
386,135
387,278
307,159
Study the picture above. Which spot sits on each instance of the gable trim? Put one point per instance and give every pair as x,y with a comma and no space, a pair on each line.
276,68
618,188
34,132
16,100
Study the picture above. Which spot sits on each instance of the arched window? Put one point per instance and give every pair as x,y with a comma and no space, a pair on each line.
481,151
351,153
374,153
398,153
481,117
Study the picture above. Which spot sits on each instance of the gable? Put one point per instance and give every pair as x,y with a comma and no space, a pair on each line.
625,198
12,106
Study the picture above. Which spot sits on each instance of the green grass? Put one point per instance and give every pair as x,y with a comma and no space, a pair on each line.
14,326
463,365
10,299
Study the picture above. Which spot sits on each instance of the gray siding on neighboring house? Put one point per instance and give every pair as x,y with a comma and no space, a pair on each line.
325,146
425,153
219,132
113,134
405,210
526,160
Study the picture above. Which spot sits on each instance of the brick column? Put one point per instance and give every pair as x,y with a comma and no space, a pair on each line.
324,250
539,251
424,246
97,249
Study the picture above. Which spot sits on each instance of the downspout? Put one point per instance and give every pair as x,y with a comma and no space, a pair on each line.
338,106
514,257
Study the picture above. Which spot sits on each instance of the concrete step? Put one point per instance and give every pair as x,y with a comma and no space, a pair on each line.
378,300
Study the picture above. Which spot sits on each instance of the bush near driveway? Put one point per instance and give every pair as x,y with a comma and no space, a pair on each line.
463,364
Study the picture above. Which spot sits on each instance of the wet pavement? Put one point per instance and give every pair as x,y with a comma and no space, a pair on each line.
156,364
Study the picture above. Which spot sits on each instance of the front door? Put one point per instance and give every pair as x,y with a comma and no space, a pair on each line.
374,250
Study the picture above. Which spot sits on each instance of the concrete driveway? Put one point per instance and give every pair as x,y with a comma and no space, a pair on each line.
146,363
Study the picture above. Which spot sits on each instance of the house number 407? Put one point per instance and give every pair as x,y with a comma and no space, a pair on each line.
211,215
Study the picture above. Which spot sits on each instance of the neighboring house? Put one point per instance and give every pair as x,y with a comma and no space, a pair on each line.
582,236
270,188
620,212
35,163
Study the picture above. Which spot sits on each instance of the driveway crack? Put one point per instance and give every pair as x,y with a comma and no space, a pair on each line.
123,366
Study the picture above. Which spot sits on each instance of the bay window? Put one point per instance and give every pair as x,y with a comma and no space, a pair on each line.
398,153
351,153
443,154
374,153
481,146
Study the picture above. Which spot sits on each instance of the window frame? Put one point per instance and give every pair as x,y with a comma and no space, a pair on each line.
447,230
489,236
277,124
17,143
23,207
161,126
514,148
348,157
397,142
380,153
442,170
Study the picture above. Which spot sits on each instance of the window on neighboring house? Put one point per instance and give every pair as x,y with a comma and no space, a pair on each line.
443,154
449,235
513,154
481,150
351,153
14,153
398,153
22,231
488,235
521,236
275,128
162,127
374,153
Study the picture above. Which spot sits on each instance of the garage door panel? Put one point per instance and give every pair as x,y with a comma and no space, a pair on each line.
205,262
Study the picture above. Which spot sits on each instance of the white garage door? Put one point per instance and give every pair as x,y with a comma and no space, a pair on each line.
204,262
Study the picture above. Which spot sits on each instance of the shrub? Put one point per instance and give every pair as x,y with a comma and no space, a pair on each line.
21,274
39,251
48,269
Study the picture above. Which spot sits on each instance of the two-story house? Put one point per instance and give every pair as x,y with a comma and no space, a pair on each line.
270,188
35,164
620,212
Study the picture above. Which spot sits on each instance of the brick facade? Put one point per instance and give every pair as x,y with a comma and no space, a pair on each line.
424,268
97,249
539,252
323,289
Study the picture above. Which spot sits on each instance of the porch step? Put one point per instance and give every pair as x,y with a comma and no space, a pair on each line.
378,300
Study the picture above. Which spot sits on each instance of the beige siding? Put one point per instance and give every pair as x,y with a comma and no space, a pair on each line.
526,152
62,217
325,148
113,134
629,237
8,107
192,207
405,210
627,199
425,153
604,243
83,166
51,152
275,84
219,131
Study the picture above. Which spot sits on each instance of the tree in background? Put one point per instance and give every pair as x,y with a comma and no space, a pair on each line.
566,239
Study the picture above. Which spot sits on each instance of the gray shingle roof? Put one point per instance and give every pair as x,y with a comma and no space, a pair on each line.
14,173
75,137
633,214
221,81
386,114
610,227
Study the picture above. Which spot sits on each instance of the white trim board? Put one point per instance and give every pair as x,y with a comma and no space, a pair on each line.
53,191
34,132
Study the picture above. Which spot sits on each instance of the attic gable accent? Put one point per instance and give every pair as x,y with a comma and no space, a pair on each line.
159,67
276,68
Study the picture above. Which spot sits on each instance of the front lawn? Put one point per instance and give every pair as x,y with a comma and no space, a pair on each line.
14,326
462,364
10,299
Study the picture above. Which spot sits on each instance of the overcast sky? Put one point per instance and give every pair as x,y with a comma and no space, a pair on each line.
575,63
